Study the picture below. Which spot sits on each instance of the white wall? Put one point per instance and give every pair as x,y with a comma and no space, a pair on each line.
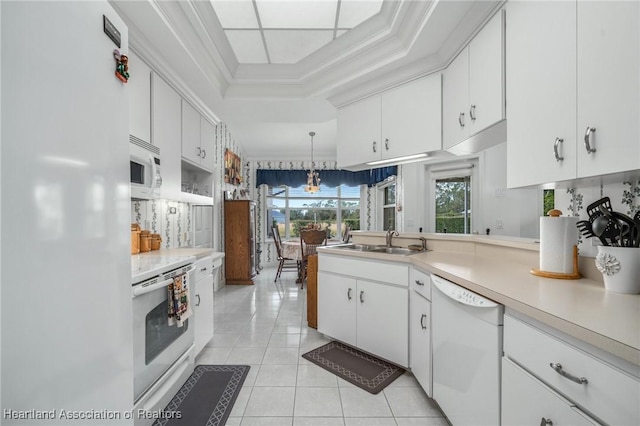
517,209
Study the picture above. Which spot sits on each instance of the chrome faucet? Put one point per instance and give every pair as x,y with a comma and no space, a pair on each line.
423,240
390,235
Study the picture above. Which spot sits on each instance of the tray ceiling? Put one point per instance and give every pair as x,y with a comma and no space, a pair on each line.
274,70
284,32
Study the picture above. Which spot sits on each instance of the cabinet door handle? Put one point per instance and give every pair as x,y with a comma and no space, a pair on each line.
349,294
556,144
199,152
361,298
461,119
386,144
374,146
204,153
587,136
472,112
203,269
198,296
419,282
422,318
546,422
558,369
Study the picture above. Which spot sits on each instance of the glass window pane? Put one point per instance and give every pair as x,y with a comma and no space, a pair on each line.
277,191
349,192
350,218
390,194
453,205
389,218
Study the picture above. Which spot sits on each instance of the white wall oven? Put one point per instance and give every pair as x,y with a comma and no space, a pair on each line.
157,344
144,162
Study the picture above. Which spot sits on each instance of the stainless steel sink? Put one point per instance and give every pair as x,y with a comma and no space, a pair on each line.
377,249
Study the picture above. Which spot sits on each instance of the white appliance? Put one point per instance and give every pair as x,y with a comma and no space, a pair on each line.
163,354
66,322
467,347
144,163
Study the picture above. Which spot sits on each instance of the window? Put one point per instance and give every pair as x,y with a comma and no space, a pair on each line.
389,205
453,205
548,201
291,209
452,188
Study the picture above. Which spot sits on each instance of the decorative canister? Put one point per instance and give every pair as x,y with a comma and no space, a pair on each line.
145,243
155,241
620,267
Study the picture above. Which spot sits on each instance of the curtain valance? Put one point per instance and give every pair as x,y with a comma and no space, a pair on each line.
331,178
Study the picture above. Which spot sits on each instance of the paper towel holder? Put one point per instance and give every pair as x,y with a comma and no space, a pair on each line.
559,275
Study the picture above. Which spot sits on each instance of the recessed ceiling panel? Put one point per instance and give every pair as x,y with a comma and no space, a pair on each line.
235,14
290,46
297,13
247,46
354,12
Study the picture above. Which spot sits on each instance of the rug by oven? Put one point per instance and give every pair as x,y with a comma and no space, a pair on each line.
363,370
206,398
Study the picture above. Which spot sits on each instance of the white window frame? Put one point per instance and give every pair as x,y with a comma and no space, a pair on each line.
448,170
288,209
381,205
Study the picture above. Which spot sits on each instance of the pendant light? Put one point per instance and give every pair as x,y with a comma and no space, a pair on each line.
313,178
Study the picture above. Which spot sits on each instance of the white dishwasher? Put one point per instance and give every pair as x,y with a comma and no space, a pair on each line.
467,348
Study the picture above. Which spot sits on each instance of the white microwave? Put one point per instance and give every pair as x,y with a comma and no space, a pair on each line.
146,179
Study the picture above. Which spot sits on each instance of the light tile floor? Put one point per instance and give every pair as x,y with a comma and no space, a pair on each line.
265,326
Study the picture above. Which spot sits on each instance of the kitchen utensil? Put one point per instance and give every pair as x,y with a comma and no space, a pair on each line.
626,224
594,209
584,226
607,229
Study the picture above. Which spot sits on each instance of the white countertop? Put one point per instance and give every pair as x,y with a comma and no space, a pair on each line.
581,308
146,265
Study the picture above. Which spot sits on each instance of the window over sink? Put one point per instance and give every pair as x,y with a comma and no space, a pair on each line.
332,208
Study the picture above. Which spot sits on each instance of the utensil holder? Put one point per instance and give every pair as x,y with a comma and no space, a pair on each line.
620,268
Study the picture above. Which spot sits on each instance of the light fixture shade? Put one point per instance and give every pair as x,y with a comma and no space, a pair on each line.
313,177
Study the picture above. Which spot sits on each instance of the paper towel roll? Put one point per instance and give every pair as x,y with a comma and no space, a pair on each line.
558,235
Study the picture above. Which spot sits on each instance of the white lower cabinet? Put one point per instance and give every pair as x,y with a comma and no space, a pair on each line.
603,386
420,340
202,302
527,401
370,315
337,306
382,321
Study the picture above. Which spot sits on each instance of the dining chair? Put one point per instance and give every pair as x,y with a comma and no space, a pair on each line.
284,263
310,239
347,234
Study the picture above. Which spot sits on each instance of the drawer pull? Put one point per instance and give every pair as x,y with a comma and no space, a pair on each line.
361,297
419,282
546,422
349,294
558,369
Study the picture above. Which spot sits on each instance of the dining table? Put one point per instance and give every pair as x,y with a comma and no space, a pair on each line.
291,249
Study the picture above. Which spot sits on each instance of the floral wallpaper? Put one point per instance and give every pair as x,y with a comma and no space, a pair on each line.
170,219
625,198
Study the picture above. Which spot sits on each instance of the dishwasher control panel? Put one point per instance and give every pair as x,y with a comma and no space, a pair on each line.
461,294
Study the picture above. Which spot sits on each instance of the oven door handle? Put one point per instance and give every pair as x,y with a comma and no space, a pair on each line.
140,290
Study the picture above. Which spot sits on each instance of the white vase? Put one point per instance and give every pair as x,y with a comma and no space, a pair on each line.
620,267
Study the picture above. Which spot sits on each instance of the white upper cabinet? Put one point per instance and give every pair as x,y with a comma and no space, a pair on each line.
191,133
541,69
473,87
197,138
359,132
207,143
139,86
608,87
402,121
572,84
166,125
